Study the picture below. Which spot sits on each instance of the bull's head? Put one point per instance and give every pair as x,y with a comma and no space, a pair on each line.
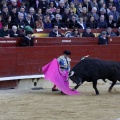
76,79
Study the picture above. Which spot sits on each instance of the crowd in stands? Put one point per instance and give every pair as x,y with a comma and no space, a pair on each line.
15,15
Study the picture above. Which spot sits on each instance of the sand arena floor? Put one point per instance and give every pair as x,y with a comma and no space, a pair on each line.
47,105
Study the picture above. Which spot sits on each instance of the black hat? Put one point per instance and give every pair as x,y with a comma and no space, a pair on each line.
67,52
29,32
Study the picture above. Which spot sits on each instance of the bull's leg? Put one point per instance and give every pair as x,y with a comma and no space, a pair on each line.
113,83
76,87
95,87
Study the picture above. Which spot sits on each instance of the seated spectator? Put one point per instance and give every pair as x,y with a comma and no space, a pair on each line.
57,11
55,32
73,23
0,21
79,9
84,14
114,13
102,22
72,7
94,4
91,23
103,12
111,23
33,14
81,23
28,21
9,21
39,12
28,40
22,10
74,33
103,39
4,31
47,22
39,23
72,13
94,13
19,22
61,6
52,6
5,13
109,32
14,32
66,17
88,33
58,21
118,32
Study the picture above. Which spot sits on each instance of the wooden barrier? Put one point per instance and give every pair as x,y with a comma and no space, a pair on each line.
45,32
14,42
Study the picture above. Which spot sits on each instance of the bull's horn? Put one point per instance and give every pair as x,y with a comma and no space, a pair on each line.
71,73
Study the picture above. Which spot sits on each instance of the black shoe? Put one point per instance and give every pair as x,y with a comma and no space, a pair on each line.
55,90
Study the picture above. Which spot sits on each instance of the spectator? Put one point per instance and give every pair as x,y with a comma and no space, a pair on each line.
84,14
115,14
13,4
110,33
55,32
28,21
102,22
66,17
48,12
94,4
57,21
19,22
4,31
74,33
33,14
111,23
91,23
109,9
47,22
14,32
61,6
0,21
79,9
13,14
22,10
118,32
73,23
9,21
103,12
88,33
72,7
72,13
5,13
87,5
39,23
28,40
94,13
82,25
103,39
43,4
57,11
39,12
52,7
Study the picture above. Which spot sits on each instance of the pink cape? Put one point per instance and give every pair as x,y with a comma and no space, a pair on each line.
54,74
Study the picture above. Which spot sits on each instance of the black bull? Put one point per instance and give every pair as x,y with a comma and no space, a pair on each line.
91,70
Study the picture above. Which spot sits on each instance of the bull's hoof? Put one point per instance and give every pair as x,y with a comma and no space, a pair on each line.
97,93
109,90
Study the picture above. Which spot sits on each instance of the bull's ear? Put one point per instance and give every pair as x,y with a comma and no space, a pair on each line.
71,73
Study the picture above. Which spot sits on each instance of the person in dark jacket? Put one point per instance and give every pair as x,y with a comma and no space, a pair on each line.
88,33
118,32
28,40
103,39
4,31
14,32
55,32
